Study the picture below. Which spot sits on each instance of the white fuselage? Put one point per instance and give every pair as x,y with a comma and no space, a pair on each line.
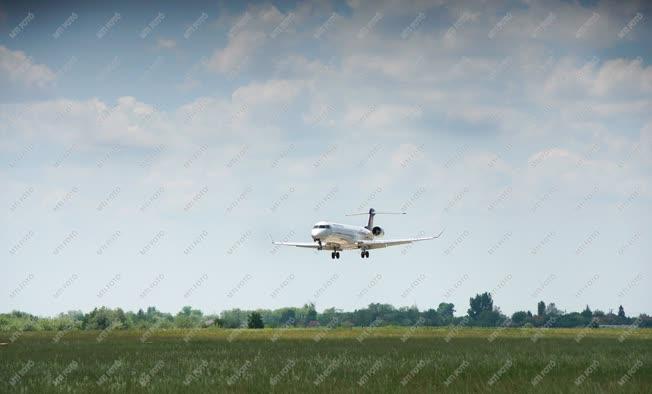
343,235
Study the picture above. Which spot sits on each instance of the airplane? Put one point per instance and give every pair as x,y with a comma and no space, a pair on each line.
338,237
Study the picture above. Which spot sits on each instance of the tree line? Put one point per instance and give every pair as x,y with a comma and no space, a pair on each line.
481,313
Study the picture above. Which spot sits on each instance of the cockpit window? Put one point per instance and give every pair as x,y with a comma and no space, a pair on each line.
322,226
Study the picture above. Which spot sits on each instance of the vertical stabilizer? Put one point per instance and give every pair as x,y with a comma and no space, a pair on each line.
370,223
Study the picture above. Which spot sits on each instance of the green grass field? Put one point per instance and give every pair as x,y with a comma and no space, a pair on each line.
342,360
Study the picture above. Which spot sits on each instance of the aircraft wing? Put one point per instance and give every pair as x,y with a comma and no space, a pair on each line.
312,245
383,243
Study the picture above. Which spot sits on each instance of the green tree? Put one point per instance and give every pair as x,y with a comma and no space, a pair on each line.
98,319
573,319
330,316
598,316
311,314
288,317
621,313
551,310
446,311
519,318
541,309
407,316
188,318
489,318
431,317
121,317
152,313
480,303
234,318
255,320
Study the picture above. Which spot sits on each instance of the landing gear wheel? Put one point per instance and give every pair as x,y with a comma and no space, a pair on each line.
333,255
337,255
362,254
366,253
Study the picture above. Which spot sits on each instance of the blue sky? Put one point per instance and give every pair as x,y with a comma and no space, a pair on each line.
163,164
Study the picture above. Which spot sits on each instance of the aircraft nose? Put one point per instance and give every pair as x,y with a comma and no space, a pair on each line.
317,233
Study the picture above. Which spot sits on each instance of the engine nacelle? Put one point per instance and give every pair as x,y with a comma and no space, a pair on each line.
377,231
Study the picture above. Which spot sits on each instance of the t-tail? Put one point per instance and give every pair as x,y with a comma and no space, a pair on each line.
372,212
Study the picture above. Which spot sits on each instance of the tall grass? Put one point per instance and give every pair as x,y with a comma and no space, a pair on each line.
387,359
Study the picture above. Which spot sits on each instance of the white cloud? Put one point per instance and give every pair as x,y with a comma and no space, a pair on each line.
395,81
248,31
17,67
269,14
300,66
398,68
88,122
166,44
626,76
132,123
271,91
237,52
381,116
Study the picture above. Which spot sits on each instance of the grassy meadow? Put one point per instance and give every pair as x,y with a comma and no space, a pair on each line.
386,359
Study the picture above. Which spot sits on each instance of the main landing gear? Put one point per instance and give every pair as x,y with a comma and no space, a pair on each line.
364,253
335,255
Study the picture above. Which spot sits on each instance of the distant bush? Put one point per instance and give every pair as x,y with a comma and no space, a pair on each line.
482,313
255,320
